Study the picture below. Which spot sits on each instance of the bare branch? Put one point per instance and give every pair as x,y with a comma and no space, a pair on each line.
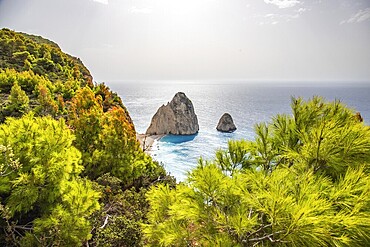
250,213
105,221
23,228
259,229
266,237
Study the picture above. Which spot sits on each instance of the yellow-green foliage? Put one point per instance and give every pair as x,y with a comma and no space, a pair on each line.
24,91
45,200
107,140
27,80
24,52
304,181
18,99
103,128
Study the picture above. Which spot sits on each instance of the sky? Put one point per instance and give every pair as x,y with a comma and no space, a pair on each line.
205,40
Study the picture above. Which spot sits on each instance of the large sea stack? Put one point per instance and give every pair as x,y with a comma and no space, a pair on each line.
177,118
226,123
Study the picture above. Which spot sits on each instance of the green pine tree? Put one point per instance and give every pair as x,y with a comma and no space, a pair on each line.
45,202
303,181
18,99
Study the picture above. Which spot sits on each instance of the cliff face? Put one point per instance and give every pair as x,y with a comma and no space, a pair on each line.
177,117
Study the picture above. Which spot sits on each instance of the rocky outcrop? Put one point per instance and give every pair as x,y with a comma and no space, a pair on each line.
226,123
177,118
358,117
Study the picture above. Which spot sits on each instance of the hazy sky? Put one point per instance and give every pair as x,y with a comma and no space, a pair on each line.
204,39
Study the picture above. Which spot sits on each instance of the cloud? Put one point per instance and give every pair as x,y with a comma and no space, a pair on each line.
278,17
136,10
282,4
101,1
274,19
360,16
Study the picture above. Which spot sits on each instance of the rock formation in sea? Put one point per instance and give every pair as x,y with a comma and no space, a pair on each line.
226,123
177,118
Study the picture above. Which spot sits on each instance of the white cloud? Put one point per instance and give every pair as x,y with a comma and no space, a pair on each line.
360,16
278,17
282,4
101,1
275,18
136,10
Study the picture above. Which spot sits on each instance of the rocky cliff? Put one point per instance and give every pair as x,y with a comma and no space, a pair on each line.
226,123
177,118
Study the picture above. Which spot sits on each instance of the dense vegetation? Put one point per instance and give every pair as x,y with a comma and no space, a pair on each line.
303,181
71,169
72,172
46,201
24,52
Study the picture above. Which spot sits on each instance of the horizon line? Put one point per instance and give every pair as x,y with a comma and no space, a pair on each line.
239,81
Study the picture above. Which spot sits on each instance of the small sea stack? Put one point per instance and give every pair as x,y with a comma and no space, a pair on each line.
226,124
177,118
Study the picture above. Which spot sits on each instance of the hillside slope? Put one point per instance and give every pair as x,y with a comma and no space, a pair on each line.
39,82
24,52
49,77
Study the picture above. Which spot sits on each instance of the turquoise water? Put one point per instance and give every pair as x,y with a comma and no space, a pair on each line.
176,139
247,104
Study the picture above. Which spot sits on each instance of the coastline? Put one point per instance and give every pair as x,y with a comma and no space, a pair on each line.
147,141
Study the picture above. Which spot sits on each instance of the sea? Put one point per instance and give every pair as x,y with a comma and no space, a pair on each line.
248,103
